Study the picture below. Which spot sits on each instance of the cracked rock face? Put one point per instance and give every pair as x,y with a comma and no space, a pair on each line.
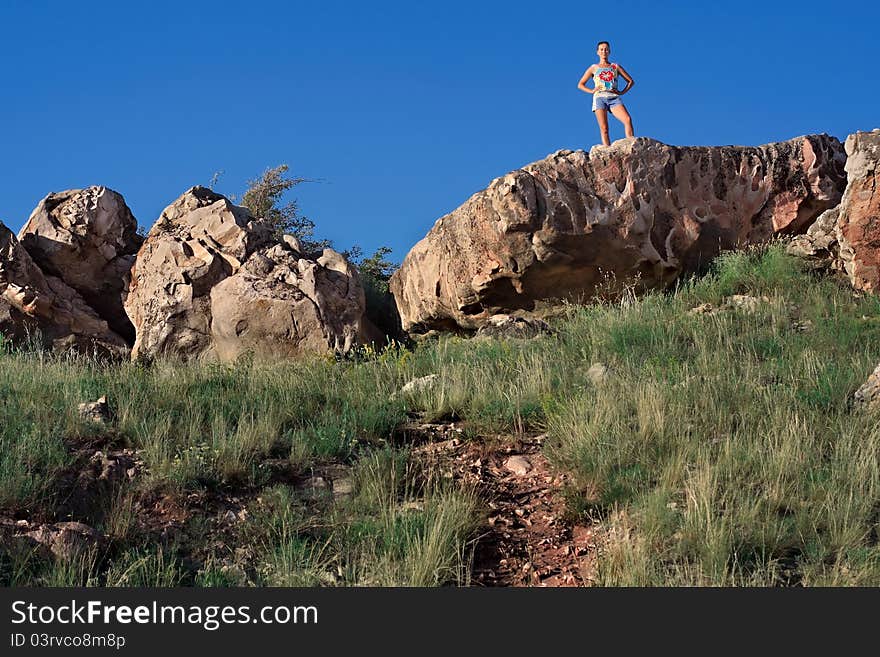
858,223
281,304
210,282
638,213
819,247
44,308
87,238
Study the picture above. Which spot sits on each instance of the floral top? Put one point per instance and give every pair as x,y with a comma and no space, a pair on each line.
605,78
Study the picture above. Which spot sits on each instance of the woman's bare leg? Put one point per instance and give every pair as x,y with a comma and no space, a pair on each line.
619,112
602,118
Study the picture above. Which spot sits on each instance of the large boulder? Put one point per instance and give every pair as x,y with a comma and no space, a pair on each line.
858,223
283,304
211,282
88,238
38,307
637,213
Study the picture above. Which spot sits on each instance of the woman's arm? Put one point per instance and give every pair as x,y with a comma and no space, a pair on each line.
626,76
582,85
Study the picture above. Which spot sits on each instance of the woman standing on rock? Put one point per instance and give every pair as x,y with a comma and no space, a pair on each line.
605,94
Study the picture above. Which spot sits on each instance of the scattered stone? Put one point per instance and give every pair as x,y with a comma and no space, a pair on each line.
343,487
702,309
507,326
315,484
869,394
743,302
96,411
421,384
518,465
332,478
340,478
65,540
746,303
598,374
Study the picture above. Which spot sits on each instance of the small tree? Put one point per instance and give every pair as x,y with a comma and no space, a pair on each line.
376,266
263,198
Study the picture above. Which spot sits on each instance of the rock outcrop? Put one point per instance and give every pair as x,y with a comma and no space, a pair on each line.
858,223
638,213
34,306
847,238
87,238
211,282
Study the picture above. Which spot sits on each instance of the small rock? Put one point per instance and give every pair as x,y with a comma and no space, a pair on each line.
419,385
96,411
315,486
343,487
65,539
518,465
598,373
292,243
507,326
869,394
702,309
745,302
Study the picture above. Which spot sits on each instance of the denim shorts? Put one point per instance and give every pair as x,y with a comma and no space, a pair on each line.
605,101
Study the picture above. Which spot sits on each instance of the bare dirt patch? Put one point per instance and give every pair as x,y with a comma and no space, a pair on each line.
526,539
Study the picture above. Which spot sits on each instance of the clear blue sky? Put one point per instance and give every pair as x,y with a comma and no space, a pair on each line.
402,110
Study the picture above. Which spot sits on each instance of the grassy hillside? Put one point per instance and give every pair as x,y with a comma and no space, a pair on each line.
719,448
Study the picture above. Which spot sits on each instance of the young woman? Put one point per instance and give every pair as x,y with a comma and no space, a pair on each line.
605,93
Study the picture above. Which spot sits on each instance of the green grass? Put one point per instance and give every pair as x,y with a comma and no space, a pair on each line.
738,459
721,450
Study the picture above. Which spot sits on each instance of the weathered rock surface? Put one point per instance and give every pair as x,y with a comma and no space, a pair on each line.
97,411
637,213
211,282
858,225
518,465
87,238
819,245
65,540
281,304
868,395
507,326
418,385
35,306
